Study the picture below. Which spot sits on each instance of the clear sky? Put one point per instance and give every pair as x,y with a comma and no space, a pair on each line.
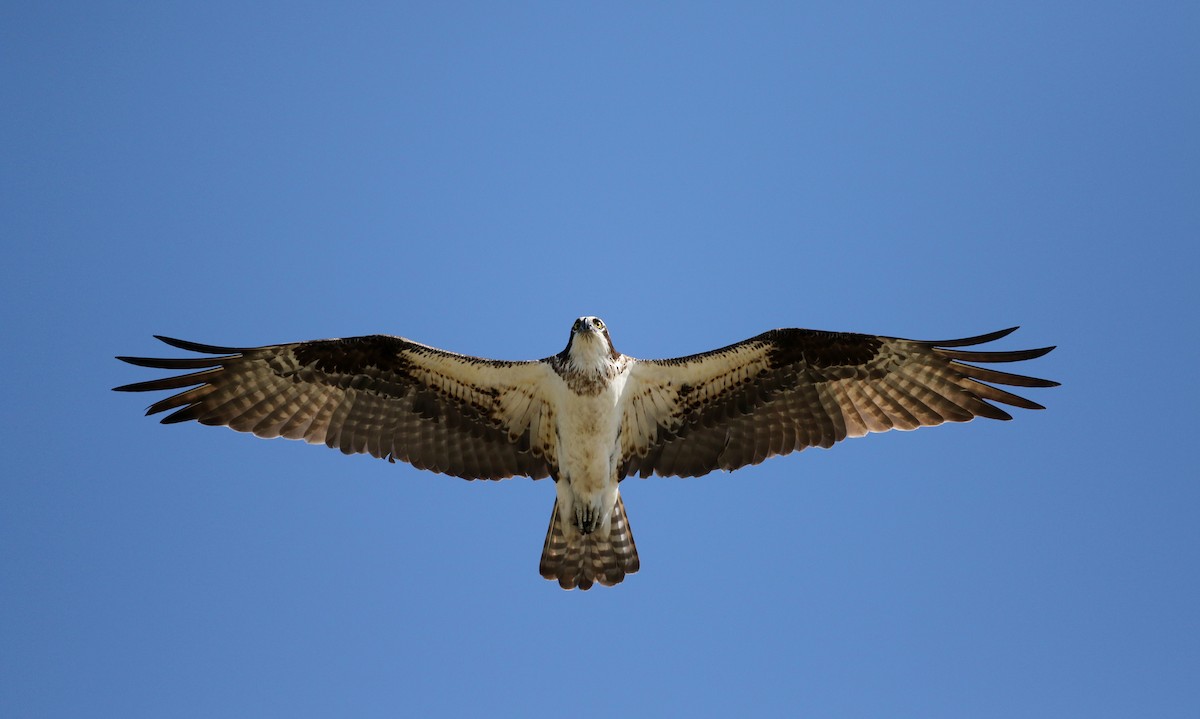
475,176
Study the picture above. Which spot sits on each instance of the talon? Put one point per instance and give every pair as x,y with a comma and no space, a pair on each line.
586,519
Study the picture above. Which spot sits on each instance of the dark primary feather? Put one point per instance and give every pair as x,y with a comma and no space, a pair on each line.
359,395
813,389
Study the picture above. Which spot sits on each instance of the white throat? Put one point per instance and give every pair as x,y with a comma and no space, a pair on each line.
590,353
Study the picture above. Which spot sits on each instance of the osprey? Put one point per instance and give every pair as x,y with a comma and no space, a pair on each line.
588,416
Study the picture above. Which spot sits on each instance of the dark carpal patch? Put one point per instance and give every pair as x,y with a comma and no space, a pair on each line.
354,355
820,349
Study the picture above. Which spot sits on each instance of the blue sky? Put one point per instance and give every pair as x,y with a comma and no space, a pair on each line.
475,176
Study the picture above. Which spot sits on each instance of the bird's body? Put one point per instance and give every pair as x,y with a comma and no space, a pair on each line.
588,416
588,403
588,406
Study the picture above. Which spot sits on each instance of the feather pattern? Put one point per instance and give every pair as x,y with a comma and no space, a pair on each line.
789,389
379,395
580,560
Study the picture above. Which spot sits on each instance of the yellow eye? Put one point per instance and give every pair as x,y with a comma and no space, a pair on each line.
596,321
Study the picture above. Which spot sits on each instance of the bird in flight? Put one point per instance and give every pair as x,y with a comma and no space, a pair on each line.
588,416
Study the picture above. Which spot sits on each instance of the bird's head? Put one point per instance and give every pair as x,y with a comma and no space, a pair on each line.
590,343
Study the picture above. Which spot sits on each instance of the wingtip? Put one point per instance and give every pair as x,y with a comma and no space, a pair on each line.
183,414
977,339
1040,352
140,361
172,341
198,346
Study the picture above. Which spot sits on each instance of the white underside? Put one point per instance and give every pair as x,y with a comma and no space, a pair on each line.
588,429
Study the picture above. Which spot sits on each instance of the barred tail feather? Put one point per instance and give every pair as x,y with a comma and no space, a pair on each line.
579,560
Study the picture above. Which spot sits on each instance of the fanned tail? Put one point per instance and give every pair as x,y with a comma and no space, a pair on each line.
579,560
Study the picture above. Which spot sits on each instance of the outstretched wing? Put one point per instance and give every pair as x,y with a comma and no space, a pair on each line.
385,396
788,389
